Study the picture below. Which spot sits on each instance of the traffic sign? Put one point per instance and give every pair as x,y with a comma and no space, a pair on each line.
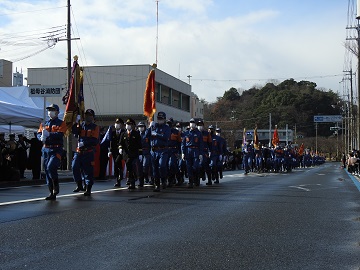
327,118
45,91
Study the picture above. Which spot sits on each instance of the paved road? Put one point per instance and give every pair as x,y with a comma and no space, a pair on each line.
308,219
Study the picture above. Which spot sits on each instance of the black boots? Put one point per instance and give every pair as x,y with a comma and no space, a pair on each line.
56,186
88,190
131,184
117,184
52,196
79,187
157,185
141,182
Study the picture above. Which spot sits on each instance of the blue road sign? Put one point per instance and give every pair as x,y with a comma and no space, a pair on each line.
327,118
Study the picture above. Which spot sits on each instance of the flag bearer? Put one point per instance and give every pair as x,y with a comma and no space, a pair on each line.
83,162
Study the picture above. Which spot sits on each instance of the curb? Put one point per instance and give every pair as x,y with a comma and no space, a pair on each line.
354,179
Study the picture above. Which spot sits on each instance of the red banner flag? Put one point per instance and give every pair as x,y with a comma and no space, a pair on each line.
149,96
74,97
275,139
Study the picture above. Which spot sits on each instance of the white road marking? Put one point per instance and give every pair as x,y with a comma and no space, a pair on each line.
59,196
302,188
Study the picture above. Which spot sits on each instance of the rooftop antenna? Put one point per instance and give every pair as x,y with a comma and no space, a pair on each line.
157,31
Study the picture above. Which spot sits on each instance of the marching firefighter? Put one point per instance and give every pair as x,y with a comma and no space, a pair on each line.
192,152
51,134
130,147
160,135
174,151
83,162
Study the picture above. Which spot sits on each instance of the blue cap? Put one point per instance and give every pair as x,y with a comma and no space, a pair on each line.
218,130
192,120
141,124
211,127
161,115
53,107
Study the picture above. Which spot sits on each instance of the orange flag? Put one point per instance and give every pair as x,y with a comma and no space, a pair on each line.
149,96
301,149
275,139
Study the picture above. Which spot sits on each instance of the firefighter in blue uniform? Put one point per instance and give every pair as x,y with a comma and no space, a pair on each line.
181,163
144,157
174,152
216,152
192,152
88,134
204,165
160,135
51,134
130,147
278,158
224,152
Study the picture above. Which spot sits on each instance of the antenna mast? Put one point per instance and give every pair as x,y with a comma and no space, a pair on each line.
157,30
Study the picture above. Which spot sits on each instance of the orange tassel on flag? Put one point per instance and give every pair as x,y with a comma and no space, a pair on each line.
256,139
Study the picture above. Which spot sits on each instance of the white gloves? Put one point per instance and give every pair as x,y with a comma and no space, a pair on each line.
120,151
109,154
45,133
200,158
78,118
152,124
183,156
80,144
153,133
220,157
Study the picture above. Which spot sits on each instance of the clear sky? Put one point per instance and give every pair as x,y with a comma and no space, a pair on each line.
219,43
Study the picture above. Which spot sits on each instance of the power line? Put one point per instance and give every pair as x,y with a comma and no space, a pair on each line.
30,11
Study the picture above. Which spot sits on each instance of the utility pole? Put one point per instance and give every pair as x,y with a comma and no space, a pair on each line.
269,129
69,140
358,77
316,137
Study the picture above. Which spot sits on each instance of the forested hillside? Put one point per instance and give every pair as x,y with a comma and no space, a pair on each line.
289,102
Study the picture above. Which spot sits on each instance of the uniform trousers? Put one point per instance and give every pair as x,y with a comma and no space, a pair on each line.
83,166
159,160
52,161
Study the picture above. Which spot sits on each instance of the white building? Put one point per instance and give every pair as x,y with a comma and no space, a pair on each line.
18,79
118,91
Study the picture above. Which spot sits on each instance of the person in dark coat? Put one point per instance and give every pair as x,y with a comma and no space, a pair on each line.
129,147
116,131
21,154
34,161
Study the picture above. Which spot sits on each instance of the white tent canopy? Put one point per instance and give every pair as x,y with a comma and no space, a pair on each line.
12,129
17,108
